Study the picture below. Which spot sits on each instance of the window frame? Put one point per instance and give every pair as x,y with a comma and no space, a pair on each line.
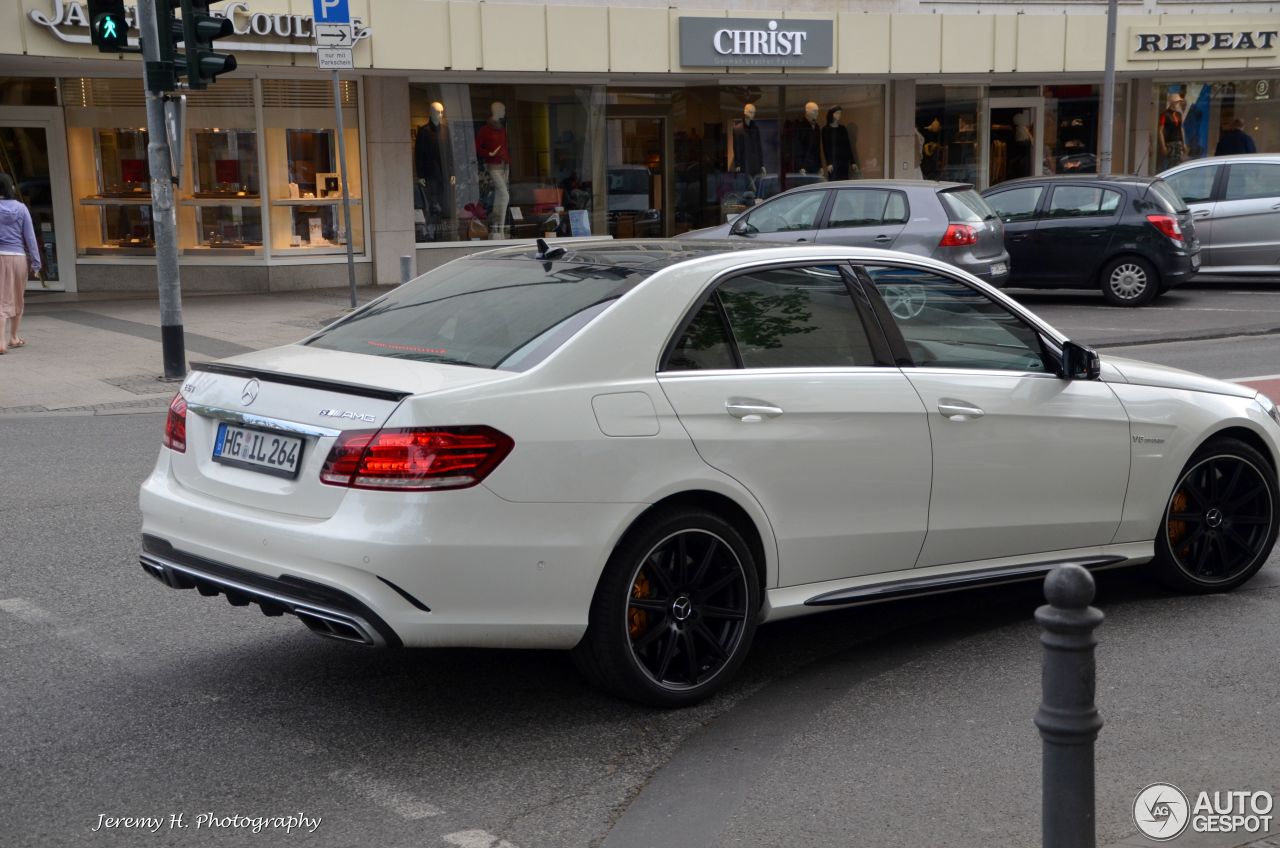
1050,344
825,222
1056,187
881,347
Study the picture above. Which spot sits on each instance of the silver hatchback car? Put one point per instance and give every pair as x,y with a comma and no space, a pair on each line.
946,221
1235,202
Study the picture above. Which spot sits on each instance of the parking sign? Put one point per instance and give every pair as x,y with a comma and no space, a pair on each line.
331,11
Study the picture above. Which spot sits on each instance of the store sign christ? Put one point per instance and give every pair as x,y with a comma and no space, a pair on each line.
738,42
68,18
1206,43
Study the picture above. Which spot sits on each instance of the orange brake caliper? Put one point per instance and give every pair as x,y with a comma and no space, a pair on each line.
638,619
1178,529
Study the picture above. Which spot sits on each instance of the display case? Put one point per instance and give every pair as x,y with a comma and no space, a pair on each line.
122,200
306,191
225,193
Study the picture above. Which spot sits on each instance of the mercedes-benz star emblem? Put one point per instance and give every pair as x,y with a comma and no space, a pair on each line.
249,393
1213,518
681,608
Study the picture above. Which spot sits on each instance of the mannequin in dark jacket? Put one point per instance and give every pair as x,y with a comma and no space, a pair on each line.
806,149
748,153
839,145
428,156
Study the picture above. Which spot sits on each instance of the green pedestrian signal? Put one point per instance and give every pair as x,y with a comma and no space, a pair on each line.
108,26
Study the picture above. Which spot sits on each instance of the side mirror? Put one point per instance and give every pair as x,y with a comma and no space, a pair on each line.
741,227
1080,362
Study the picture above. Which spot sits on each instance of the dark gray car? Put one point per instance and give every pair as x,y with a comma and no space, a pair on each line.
947,221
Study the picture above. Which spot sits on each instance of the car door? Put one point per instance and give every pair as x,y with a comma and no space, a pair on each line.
1019,209
1024,462
790,217
865,217
783,382
1246,221
1195,185
1074,233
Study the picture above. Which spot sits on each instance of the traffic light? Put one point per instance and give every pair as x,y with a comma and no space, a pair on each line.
108,27
199,29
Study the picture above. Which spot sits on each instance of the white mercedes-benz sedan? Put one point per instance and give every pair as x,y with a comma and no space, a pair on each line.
641,451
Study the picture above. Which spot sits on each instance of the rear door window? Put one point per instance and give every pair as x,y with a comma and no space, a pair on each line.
966,206
1082,201
1246,180
1194,185
508,314
867,207
1016,204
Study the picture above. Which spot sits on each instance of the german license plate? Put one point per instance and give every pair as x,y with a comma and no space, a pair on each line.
999,268
1195,260
258,450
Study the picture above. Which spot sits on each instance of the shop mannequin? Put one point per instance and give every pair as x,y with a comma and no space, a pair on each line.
428,156
491,146
1172,136
806,150
748,153
838,147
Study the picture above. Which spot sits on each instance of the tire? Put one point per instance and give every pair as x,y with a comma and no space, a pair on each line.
1129,281
1220,521
675,610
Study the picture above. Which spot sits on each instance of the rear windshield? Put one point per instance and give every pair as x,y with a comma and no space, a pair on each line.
509,314
1168,196
966,206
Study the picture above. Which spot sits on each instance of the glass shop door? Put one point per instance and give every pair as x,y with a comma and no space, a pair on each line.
1015,138
33,150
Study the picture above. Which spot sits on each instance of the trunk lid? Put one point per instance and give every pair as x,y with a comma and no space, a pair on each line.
294,397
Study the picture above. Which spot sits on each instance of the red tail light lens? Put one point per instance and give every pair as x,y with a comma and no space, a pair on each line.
959,235
417,459
1168,225
175,425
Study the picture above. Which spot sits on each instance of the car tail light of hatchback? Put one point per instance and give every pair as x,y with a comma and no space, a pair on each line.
175,425
1168,225
415,459
959,235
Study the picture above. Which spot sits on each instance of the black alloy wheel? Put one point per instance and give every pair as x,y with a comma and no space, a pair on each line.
675,611
1220,522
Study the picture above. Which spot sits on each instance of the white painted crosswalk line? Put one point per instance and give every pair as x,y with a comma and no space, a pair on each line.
385,794
477,839
24,610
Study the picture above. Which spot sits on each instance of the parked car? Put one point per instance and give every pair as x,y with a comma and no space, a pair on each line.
1131,237
1235,201
947,221
641,450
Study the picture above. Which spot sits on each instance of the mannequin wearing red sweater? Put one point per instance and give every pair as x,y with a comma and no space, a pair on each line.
491,147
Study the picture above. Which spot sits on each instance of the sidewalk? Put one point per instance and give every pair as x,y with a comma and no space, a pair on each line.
100,356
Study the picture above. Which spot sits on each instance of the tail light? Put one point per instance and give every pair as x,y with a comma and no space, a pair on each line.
1168,225
415,459
959,235
175,425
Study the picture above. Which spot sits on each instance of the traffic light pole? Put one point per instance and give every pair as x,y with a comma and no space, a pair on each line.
163,218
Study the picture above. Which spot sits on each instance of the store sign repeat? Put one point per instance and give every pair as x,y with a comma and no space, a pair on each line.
1207,42
261,31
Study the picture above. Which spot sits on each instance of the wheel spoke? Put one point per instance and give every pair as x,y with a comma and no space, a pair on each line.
718,584
1189,489
1241,541
658,605
1202,558
659,575
1240,500
690,655
668,651
701,572
1250,519
1212,481
721,612
1235,480
681,570
1194,517
655,630
709,637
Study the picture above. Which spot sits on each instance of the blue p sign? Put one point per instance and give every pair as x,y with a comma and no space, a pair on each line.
331,11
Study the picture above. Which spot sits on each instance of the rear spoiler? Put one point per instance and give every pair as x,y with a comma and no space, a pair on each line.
299,380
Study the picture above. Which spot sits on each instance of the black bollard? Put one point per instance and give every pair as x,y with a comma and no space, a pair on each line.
1068,717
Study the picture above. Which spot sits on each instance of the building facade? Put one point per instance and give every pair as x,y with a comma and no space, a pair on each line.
470,123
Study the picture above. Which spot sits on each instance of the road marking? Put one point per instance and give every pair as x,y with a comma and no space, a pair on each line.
477,839
385,795
23,609
1259,377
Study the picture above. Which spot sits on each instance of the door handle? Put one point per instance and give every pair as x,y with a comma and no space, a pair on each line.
1276,207
882,239
958,410
802,239
1205,213
751,411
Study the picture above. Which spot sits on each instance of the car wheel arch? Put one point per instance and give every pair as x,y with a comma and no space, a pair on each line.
1242,434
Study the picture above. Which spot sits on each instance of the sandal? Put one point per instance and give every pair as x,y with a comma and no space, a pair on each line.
18,343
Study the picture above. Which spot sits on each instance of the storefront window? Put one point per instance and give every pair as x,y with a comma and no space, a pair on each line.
225,191
505,161
1198,119
1072,127
947,132
123,198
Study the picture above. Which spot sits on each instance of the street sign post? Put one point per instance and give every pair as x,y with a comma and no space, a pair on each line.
335,37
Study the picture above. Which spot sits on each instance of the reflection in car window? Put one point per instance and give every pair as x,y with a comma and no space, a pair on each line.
788,212
1253,179
795,317
947,324
1080,201
867,207
1016,204
1194,185
704,345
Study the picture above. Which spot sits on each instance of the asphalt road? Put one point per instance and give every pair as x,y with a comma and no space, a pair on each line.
906,724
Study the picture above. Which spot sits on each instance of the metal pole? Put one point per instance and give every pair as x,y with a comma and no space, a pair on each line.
1068,717
346,196
1108,94
406,269
164,227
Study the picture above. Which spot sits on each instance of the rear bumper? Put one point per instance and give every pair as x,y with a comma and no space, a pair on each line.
1177,267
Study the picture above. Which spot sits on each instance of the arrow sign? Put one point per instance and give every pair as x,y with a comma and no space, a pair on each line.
335,35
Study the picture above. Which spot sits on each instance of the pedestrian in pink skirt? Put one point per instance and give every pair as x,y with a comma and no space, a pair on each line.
19,261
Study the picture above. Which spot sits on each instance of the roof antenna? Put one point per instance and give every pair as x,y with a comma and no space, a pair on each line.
547,252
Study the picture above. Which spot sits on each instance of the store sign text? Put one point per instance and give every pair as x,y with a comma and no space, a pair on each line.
1153,45
719,42
248,26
